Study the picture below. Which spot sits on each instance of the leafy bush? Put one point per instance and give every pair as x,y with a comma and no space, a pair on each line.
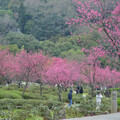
18,115
51,97
22,102
35,88
33,96
9,94
10,87
78,98
115,89
1,86
87,106
118,109
118,101
105,105
73,112
59,113
29,112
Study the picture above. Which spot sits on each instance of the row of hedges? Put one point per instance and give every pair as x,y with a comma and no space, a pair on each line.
4,103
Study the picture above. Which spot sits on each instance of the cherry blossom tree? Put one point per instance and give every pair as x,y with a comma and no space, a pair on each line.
42,63
102,15
93,74
6,65
107,77
24,66
61,73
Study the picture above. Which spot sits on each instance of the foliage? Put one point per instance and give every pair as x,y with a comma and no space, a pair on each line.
3,12
115,89
23,17
77,99
29,112
93,74
60,46
7,24
4,4
33,96
59,113
47,27
118,101
29,42
22,102
106,103
73,112
70,46
11,48
9,94
50,108
103,16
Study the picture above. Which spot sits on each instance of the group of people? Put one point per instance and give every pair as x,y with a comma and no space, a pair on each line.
79,89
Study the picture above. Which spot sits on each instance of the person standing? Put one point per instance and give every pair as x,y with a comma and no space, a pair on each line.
77,89
81,90
70,98
98,100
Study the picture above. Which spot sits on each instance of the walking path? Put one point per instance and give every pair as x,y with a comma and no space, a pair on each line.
113,116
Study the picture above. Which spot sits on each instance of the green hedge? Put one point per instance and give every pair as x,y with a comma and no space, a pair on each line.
15,94
118,101
114,89
34,96
9,94
4,103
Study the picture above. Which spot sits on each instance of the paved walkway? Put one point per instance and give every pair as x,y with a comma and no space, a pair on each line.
114,116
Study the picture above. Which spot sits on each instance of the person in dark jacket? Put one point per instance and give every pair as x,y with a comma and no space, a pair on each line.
81,90
77,89
70,97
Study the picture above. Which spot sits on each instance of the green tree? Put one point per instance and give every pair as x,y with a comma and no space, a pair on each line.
7,23
57,46
72,54
44,27
11,48
47,46
4,4
23,17
20,39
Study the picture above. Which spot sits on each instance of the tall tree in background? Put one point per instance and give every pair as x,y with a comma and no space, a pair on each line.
23,17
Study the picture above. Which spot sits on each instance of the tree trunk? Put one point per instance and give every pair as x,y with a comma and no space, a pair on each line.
92,90
59,90
40,88
65,89
25,88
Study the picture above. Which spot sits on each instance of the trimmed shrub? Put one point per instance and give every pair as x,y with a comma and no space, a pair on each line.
34,96
10,87
9,94
33,102
118,101
78,98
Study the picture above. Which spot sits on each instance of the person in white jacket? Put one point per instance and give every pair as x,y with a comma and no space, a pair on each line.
98,100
